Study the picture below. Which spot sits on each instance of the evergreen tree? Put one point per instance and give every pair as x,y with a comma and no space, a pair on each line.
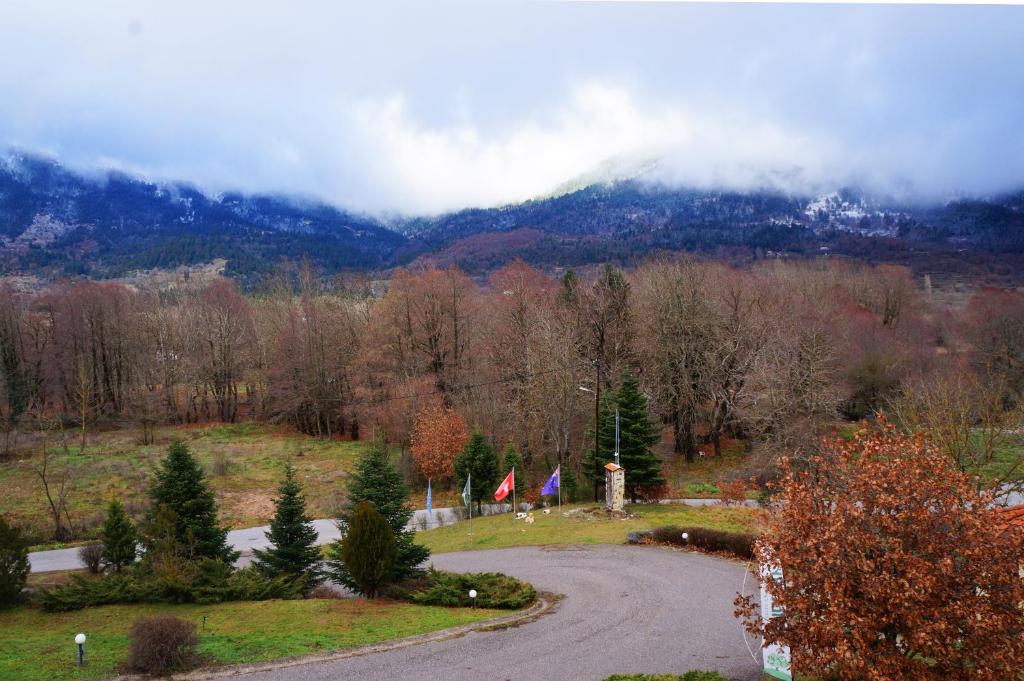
480,462
638,432
378,482
14,565
368,550
510,459
180,486
120,540
569,486
292,536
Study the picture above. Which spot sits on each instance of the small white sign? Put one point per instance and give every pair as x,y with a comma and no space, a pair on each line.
776,657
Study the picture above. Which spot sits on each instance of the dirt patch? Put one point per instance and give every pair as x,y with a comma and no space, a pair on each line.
255,505
597,514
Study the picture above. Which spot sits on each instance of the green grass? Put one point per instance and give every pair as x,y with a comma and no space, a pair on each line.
116,465
1006,464
36,646
699,479
500,530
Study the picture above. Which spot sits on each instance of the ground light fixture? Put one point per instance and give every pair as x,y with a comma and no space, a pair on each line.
472,594
686,537
80,641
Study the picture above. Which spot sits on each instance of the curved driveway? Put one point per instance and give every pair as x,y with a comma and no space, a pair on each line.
626,609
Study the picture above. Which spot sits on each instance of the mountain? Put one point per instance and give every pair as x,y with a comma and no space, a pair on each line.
54,222
57,222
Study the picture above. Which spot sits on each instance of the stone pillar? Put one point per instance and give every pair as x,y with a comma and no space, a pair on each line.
614,487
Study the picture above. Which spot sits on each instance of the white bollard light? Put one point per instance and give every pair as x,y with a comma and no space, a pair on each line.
80,641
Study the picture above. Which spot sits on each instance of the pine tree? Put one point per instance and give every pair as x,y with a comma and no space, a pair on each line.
510,459
180,486
120,540
292,536
368,550
480,461
638,432
569,486
14,565
378,482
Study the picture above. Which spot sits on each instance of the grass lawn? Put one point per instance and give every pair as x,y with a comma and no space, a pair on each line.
1006,463
244,463
500,530
38,646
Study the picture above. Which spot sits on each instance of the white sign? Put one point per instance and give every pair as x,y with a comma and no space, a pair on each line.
776,657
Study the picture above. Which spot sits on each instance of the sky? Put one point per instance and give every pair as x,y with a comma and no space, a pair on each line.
392,108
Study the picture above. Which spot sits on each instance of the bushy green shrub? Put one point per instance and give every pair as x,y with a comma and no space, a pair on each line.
368,550
494,590
84,593
740,544
14,565
209,581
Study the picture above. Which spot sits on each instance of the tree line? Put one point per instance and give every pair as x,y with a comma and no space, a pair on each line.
771,355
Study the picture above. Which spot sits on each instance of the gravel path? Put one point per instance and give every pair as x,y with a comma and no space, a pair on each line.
626,609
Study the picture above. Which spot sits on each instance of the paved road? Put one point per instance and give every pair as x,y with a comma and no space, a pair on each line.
255,537
626,609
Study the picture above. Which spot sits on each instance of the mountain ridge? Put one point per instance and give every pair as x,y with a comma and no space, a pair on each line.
55,222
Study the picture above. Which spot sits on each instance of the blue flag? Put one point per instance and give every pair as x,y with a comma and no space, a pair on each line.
552,485
429,498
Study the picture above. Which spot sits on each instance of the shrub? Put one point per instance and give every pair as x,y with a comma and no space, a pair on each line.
161,644
14,565
494,590
733,492
82,593
368,550
740,544
209,581
324,591
91,556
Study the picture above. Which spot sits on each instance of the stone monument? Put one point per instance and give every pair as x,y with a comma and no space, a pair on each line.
614,487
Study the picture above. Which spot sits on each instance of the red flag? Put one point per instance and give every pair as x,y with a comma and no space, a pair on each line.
506,486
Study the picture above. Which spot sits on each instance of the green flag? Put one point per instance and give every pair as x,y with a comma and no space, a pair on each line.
466,492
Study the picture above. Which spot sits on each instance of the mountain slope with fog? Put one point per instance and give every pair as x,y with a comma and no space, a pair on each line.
56,223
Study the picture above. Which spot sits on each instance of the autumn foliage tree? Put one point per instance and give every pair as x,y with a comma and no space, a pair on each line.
438,436
894,567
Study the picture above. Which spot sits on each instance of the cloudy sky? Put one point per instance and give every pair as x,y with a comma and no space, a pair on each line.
420,108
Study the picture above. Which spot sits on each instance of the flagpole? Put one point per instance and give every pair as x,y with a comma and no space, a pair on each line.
513,492
559,469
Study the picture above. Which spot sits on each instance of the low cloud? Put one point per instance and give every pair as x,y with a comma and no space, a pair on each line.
415,109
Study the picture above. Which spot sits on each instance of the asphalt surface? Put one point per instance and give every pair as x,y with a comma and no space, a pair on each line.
245,540
250,538
626,609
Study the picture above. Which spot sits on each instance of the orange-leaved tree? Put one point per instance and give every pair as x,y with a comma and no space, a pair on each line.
438,436
894,567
